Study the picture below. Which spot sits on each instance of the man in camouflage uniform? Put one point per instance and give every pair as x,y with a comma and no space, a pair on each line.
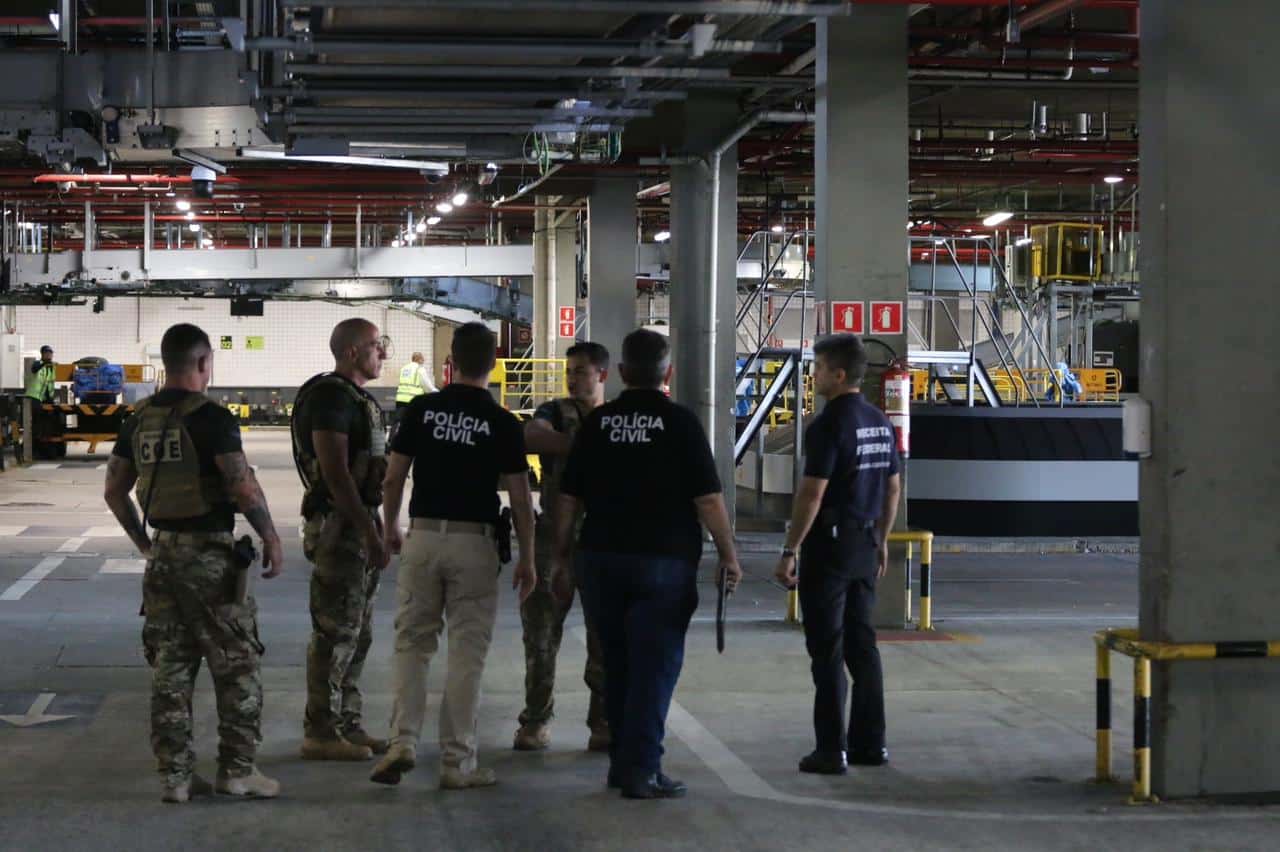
183,451
339,445
550,434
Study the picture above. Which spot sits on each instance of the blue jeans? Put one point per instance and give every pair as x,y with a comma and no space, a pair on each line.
642,606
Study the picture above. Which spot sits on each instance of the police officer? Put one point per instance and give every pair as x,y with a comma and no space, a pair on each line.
550,434
462,446
841,520
339,446
183,451
643,472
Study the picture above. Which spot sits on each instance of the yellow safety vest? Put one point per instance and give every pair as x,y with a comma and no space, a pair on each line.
410,385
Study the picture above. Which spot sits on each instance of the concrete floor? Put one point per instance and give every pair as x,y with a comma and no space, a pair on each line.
991,734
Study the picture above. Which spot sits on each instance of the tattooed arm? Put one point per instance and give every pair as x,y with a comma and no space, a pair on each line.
121,477
247,494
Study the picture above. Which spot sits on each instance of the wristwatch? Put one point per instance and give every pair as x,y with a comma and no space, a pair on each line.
788,551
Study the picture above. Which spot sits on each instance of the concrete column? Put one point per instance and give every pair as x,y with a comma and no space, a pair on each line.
861,192
1208,493
555,277
611,266
703,380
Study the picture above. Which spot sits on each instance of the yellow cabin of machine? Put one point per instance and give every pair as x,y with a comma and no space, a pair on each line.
1066,251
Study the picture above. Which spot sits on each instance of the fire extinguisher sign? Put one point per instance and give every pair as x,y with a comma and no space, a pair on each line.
846,318
886,318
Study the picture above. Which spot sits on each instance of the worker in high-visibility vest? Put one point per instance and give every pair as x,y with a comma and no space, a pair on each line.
41,378
415,380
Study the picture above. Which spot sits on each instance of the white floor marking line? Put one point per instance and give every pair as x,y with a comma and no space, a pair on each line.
28,582
743,780
35,715
123,566
104,532
71,545
11,531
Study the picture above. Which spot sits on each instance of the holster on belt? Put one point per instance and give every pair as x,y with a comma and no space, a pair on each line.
502,536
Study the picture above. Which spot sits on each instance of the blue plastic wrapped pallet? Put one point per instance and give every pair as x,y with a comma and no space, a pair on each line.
109,378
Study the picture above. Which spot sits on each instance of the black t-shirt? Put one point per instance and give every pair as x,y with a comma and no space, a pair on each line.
215,431
327,407
637,464
851,445
461,441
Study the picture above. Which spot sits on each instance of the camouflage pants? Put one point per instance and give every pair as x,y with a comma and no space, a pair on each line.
543,621
188,591
343,586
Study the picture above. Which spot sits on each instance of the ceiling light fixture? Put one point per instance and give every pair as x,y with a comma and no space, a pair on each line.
194,228
1113,179
444,207
662,236
433,220
997,218
182,204
459,199
777,229
56,20
1022,241
190,216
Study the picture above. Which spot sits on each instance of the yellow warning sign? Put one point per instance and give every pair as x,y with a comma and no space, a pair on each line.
255,344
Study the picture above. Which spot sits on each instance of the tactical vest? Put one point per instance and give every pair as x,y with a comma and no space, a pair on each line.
366,448
170,484
569,417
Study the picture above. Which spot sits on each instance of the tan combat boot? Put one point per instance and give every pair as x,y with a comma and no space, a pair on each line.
255,785
535,736
337,749
398,760
453,778
359,737
178,794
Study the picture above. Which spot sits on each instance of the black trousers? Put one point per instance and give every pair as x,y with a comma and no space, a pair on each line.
837,596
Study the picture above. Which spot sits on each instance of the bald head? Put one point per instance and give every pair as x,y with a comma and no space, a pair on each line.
347,334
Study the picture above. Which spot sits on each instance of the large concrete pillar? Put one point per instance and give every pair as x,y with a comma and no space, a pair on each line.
861,192
554,277
611,266
1208,493
704,278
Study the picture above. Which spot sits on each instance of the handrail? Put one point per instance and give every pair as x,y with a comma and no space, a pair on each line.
973,294
1125,641
768,267
1026,321
764,338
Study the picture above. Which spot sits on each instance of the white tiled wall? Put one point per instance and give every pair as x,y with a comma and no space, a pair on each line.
295,334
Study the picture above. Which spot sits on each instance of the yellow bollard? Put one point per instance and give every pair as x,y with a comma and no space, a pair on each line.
1141,731
926,582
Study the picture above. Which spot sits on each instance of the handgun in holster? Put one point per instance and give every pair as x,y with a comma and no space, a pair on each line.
502,536
243,555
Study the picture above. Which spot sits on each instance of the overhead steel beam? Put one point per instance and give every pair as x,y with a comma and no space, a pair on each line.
462,112
304,45
626,7
502,72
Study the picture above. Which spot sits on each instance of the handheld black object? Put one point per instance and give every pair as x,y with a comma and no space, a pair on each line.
722,600
245,556
502,534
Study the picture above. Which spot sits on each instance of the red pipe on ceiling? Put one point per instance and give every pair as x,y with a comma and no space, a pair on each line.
996,63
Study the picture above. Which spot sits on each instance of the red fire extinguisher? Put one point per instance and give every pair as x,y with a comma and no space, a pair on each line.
448,370
895,401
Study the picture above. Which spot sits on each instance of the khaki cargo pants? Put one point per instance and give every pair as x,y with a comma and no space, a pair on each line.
448,572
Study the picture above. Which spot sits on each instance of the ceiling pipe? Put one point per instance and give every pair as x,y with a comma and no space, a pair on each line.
305,45
500,72
1047,11
627,7
462,112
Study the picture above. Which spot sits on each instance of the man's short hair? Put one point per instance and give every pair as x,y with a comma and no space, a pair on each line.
594,352
646,355
347,334
46,348
844,352
182,346
474,349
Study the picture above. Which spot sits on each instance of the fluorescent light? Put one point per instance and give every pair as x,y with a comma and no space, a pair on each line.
389,163
459,199
433,220
1022,241
420,227
194,227
170,194
662,236
190,215
777,229
1113,179
444,207
182,204
996,218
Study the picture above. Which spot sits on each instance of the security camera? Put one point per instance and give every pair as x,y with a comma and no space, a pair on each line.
202,181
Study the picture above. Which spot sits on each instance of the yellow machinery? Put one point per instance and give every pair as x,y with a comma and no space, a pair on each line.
1067,251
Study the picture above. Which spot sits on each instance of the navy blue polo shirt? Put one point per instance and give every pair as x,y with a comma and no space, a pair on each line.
638,463
851,445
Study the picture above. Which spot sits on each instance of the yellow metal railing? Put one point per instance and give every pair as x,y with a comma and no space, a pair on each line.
1101,384
1126,641
525,383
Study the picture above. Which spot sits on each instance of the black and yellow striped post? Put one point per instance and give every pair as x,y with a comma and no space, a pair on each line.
1141,730
926,583
1102,772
